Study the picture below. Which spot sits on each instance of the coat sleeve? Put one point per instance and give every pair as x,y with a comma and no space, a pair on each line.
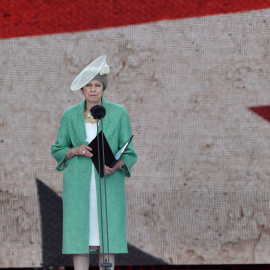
129,156
62,144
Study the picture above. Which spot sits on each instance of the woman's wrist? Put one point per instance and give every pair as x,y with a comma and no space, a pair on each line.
121,164
69,154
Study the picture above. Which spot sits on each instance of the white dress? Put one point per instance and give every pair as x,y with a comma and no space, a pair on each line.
91,131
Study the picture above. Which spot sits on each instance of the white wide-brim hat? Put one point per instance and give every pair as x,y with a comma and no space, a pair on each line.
98,66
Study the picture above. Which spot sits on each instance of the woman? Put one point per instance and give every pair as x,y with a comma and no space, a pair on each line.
82,229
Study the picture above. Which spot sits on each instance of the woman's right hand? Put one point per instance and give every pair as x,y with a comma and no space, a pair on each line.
82,150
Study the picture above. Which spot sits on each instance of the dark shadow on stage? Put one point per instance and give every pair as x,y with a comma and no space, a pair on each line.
51,209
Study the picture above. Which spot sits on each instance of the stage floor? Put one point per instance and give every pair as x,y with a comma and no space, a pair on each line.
165,267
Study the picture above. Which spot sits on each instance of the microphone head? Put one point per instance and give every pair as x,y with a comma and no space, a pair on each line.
98,111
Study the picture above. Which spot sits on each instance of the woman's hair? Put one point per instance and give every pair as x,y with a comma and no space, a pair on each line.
103,79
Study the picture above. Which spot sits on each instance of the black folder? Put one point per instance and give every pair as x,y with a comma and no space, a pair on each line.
110,158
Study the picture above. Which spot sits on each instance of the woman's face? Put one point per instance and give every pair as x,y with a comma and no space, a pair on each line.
93,92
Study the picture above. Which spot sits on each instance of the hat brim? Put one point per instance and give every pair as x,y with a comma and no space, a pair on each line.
89,73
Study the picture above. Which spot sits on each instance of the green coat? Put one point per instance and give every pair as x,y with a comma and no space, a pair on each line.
77,175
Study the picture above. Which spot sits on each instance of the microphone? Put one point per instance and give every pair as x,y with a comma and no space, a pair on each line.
98,111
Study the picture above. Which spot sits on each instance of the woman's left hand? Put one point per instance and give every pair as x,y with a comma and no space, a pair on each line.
118,165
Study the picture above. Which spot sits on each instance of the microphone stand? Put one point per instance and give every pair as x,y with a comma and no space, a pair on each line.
98,112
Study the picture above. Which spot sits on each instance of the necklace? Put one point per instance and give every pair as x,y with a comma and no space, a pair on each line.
90,118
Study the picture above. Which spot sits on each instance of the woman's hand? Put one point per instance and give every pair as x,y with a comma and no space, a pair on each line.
82,150
118,165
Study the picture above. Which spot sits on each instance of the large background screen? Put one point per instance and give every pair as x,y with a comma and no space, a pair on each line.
194,78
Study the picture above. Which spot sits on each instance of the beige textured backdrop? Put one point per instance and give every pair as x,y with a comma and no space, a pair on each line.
199,193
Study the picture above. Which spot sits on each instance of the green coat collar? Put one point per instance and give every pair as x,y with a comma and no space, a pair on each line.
81,123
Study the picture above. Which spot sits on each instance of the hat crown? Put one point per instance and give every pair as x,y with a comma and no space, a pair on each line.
97,66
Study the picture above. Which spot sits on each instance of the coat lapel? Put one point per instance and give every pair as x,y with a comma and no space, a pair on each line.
106,120
81,125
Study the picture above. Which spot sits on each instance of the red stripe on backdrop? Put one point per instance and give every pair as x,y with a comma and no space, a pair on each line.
38,17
